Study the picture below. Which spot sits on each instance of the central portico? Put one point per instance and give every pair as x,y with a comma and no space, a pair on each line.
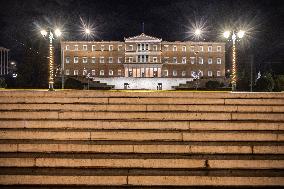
143,56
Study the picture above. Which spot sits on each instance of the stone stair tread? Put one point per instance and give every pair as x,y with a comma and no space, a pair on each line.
142,163
143,125
141,139
127,148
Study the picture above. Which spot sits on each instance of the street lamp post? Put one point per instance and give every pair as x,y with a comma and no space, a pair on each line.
51,56
234,37
62,67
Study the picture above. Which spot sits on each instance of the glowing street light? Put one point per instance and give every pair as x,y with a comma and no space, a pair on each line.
43,33
87,31
226,34
234,35
241,34
197,32
57,33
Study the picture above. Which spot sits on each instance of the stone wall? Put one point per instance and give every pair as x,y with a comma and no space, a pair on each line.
143,83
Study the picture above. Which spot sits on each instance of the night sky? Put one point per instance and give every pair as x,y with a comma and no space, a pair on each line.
21,20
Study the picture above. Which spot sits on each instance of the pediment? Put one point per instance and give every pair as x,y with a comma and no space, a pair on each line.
142,38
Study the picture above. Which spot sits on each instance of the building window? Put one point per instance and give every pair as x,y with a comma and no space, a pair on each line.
174,48
85,47
192,73
174,73
131,47
147,47
93,47
209,48
184,60
67,60
200,60
130,73
218,73
175,60
218,60
154,59
200,73
130,59
192,60
75,47
209,60
102,47
102,72
192,48
119,72
166,59
201,48
119,47
119,59
85,72
183,48
93,72
67,72
166,73
85,60
218,48
183,73
166,47
102,60
93,59
110,72
76,72
146,58
76,60
67,48
110,48
155,48
210,73
110,60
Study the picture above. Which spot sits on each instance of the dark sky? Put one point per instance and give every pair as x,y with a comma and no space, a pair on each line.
169,19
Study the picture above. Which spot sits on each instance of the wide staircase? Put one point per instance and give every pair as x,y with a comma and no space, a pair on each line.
100,139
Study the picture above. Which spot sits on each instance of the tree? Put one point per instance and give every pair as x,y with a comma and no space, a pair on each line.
212,84
71,83
265,83
2,83
33,71
279,83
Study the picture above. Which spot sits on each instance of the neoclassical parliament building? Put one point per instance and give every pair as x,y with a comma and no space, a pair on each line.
143,61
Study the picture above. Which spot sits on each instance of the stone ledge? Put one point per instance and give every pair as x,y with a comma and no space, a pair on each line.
143,108
66,180
204,181
180,94
140,135
144,125
142,163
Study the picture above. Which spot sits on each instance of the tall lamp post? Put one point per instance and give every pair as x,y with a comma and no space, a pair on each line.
57,33
234,36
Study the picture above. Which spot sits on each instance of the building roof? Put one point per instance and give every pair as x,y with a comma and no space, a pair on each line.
142,37
4,49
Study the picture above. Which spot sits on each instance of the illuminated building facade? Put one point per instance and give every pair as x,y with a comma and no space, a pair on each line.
4,61
144,61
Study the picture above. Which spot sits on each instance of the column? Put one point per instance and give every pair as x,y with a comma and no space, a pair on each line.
151,72
3,65
138,72
126,72
134,72
7,70
159,72
1,61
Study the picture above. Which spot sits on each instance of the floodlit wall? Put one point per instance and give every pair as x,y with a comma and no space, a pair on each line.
143,83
